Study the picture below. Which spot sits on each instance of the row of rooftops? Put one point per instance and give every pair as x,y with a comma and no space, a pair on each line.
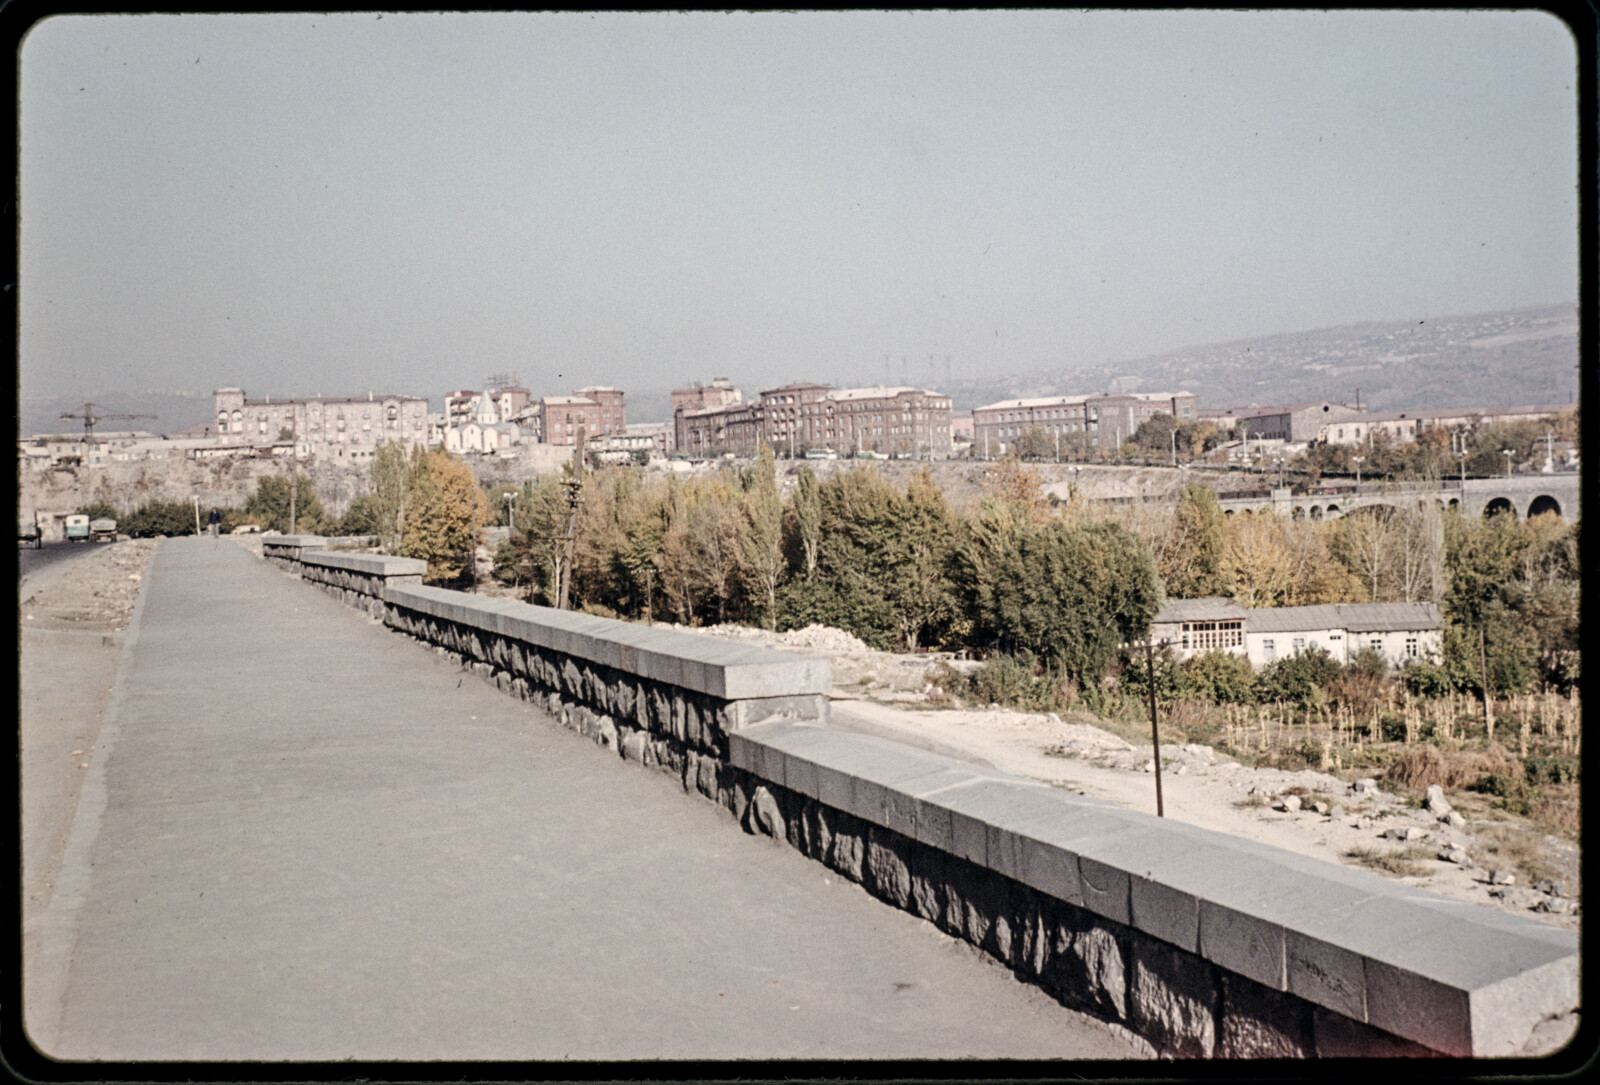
804,391
1352,617
1356,413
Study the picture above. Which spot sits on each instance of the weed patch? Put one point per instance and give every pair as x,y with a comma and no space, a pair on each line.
1401,863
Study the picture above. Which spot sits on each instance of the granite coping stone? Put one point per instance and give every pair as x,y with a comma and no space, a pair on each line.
687,660
294,541
374,564
1454,976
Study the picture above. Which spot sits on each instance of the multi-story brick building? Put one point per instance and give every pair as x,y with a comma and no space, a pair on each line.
805,415
599,410
695,399
1107,419
900,421
322,427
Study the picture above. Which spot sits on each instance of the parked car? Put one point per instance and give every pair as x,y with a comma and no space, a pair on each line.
102,530
821,454
28,529
77,528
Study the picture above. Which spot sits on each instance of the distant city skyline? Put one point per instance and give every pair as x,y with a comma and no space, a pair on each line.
290,203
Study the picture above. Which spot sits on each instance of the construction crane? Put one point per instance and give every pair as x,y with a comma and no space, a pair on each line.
90,419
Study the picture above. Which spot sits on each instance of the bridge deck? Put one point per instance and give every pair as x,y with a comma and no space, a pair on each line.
304,837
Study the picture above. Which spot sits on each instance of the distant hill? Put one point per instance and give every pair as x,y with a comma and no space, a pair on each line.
1491,359
1506,358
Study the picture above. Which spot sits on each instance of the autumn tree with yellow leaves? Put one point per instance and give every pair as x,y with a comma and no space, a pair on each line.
445,516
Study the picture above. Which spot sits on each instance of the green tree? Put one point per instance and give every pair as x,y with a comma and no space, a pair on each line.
858,525
1071,594
361,518
918,580
269,505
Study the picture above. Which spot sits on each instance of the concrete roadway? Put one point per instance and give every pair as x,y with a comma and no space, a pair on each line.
304,837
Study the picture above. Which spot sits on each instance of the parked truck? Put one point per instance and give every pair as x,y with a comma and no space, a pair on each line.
28,529
102,530
77,528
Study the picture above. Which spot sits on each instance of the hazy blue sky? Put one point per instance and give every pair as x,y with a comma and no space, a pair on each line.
312,203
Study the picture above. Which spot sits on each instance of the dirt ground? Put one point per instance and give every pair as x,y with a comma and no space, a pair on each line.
1335,816
71,626
71,637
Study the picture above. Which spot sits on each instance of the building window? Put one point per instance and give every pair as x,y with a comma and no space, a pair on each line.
1299,645
1411,648
1376,644
1269,648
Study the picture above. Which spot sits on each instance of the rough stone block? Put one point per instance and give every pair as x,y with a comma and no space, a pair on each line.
1173,999
1086,964
886,866
766,815
1338,1037
1260,1023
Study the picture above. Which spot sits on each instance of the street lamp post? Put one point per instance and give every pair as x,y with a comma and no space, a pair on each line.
1507,454
1172,434
1357,461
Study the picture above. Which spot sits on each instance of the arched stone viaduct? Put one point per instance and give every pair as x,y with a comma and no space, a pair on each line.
1524,495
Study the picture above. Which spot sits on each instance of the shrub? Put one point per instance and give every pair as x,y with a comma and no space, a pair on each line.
1219,677
1419,767
1428,680
159,518
99,510
1359,690
1552,769
1511,790
1020,681
1297,679
1133,682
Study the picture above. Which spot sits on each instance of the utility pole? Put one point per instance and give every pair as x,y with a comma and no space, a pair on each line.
1483,673
1155,732
574,498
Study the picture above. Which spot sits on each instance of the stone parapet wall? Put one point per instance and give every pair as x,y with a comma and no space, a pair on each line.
1204,944
284,550
631,687
359,580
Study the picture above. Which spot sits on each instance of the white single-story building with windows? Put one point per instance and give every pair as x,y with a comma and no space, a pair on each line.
1401,631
